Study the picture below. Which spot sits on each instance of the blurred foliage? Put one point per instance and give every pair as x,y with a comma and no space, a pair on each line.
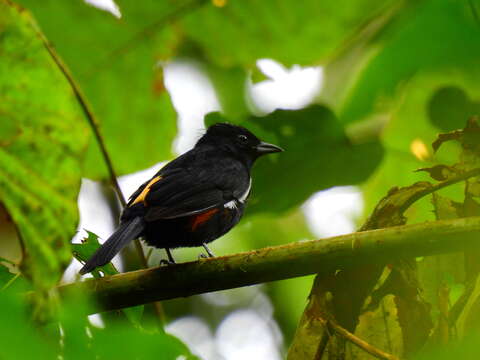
329,142
397,73
43,138
72,337
110,65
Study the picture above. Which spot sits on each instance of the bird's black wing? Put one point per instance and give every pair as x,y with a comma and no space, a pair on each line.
188,190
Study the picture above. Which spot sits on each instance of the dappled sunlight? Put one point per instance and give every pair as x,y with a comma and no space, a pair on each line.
334,211
245,334
107,5
193,96
285,88
197,334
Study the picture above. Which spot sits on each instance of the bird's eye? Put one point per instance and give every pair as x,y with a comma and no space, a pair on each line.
242,138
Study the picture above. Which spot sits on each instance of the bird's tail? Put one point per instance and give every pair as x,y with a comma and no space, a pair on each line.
125,233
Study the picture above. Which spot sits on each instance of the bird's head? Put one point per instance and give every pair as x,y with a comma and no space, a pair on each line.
237,140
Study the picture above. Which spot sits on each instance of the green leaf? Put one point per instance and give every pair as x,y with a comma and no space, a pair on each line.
449,105
230,38
43,136
231,86
86,249
116,63
117,343
241,32
465,348
318,155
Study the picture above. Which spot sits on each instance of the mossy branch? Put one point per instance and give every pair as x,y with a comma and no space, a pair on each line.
280,262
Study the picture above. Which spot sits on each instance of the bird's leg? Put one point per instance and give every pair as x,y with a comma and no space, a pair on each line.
170,260
210,254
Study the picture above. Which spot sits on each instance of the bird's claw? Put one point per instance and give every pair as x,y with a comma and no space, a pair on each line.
209,252
166,262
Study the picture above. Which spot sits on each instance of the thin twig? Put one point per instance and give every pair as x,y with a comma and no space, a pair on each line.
385,323
322,345
435,187
89,115
362,344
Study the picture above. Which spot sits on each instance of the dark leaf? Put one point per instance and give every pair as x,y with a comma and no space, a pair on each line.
440,172
318,155
449,106
468,137
389,211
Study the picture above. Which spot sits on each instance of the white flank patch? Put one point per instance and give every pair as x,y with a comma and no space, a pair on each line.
232,204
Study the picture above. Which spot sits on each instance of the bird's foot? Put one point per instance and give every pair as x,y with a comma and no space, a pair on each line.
167,262
170,261
209,252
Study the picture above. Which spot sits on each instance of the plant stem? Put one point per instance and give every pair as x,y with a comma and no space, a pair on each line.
87,110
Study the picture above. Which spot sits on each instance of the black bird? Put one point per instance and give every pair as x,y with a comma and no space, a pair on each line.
194,199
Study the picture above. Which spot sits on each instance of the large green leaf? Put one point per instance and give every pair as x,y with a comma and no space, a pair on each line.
120,75
43,136
303,33
230,38
318,155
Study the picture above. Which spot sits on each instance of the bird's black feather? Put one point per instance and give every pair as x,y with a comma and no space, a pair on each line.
194,199
125,233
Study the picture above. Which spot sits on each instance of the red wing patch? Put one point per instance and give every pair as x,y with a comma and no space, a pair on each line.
202,217
145,191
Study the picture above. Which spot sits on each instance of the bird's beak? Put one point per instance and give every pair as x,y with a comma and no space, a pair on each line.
266,148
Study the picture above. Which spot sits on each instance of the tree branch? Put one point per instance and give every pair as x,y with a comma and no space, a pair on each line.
278,263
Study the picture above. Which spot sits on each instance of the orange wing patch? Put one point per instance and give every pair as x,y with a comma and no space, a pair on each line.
146,190
202,217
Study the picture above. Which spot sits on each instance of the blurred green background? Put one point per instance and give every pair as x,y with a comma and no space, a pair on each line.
378,80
